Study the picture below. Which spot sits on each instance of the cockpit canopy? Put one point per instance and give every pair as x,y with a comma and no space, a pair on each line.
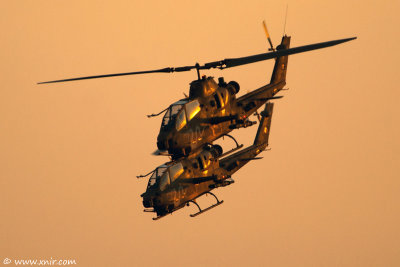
165,175
180,113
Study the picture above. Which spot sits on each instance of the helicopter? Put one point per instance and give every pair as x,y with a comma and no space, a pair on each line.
212,110
178,183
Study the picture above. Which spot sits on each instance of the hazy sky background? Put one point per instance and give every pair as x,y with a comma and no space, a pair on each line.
327,194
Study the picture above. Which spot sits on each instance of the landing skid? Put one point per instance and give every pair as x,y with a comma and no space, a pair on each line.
158,217
187,204
206,209
232,150
161,216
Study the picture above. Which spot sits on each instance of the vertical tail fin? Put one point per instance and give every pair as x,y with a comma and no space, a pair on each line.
265,125
236,161
280,68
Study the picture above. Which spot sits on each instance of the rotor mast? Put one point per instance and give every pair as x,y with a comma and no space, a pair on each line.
198,70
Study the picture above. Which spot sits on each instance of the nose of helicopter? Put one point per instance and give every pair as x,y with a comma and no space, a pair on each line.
173,143
162,144
147,201
164,141
150,201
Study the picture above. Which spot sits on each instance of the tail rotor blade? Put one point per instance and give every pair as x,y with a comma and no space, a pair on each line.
268,37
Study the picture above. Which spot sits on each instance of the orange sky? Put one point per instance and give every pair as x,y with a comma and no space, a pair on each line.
327,194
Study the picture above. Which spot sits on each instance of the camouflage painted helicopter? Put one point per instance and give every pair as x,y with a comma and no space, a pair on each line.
178,183
212,110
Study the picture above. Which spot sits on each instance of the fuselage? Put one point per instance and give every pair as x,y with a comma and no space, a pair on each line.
210,111
174,184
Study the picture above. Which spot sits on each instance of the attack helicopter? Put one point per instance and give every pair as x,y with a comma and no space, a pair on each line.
178,183
212,110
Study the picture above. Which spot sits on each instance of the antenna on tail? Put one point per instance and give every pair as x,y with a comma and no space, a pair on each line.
284,25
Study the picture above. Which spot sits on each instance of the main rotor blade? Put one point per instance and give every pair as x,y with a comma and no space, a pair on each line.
166,70
233,62
222,64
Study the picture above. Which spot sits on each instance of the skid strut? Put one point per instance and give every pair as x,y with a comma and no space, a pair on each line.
206,209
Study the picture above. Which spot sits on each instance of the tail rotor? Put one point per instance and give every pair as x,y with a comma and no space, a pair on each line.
268,37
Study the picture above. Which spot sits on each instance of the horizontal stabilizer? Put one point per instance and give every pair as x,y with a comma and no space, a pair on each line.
246,159
270,98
